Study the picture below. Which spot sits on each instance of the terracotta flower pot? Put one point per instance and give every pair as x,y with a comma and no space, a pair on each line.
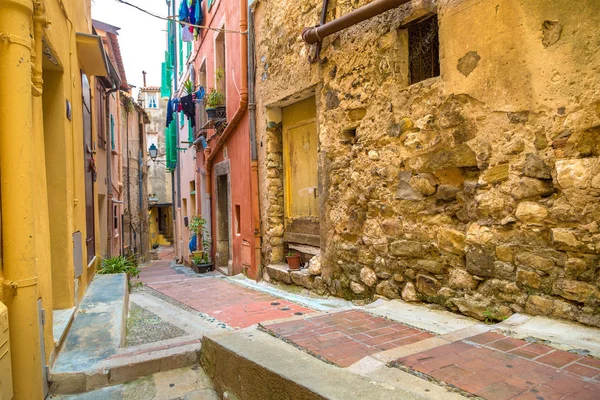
293,262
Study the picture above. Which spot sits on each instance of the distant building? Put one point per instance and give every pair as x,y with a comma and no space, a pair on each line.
159,179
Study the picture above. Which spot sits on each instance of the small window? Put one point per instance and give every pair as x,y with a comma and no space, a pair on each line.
152,101
238,222
112,132
423,50
115,218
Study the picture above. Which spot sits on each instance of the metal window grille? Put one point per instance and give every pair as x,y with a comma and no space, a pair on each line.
423,50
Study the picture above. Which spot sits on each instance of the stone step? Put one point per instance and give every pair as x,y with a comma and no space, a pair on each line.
98,329
251,364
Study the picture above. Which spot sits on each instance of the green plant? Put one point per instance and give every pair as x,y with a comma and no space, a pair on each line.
492,316
197,258
119,265
197,225
188,87
214,98
291,253
219,74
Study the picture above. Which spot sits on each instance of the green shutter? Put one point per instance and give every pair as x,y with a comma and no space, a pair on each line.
180,42
190,132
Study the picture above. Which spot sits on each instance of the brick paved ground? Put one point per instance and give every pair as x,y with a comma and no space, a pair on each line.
497,367
491,366
345,337
229,303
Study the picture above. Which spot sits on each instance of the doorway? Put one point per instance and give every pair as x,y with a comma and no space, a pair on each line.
300,165
224,250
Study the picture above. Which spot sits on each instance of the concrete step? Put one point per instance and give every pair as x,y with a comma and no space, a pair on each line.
251,364
122,365
98,329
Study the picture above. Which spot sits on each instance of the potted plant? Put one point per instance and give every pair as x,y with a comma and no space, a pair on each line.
202,263
293,260
215,99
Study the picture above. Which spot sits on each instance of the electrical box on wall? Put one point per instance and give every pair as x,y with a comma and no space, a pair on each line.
6,388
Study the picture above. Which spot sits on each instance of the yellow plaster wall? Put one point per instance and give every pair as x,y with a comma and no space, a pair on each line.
53,192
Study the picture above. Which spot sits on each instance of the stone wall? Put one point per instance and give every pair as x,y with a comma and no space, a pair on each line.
479,189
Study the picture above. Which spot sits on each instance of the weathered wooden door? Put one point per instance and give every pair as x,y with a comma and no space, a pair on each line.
301,194
90,239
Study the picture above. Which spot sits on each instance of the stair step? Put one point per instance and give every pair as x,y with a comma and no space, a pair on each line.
243,363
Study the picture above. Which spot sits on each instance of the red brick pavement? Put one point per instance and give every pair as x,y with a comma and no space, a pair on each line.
234,305
345,337
497,367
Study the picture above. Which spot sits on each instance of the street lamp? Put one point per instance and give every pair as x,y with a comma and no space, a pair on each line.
153,151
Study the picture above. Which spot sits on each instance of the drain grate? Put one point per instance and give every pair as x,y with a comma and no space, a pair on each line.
275,303
285,309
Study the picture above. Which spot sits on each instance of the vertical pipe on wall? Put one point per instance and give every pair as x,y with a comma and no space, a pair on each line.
255,201
17,167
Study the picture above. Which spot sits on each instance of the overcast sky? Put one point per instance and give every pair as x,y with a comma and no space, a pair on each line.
141,38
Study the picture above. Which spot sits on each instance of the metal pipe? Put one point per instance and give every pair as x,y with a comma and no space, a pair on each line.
254,200
316,34
17,166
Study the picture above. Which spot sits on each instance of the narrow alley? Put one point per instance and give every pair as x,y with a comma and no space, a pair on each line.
388,349
299,200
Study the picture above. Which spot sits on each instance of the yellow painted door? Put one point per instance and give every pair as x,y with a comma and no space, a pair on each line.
300,150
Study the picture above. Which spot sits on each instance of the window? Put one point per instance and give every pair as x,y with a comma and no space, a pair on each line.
423,50
238,222
220,63
112,132
152,101
115,217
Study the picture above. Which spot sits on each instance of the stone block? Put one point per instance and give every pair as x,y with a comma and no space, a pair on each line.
447,192
319,286
368,276
406,248
534,261
430,266
575,172
357,287
534,167
424,184
409,293
302,278
314,266
494,174
480,262
538,305
581,292
279,273
461,279
455,157
565,239
451,240
529,278
531,212
388,289
523,188
427,285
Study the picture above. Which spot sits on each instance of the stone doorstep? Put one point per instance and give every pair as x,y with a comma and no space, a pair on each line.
234,360
128,366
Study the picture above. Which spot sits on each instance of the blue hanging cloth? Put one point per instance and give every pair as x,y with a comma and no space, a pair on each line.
198,15
184,12
200,93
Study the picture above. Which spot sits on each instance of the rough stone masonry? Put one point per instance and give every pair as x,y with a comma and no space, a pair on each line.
478,189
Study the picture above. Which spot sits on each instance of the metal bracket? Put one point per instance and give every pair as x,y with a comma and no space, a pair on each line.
13,286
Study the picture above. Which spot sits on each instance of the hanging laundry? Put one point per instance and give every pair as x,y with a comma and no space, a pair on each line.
169,112
200,93
184,12
198,15
189,109
186,35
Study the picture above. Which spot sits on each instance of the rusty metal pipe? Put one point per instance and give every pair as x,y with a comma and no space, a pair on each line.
316,34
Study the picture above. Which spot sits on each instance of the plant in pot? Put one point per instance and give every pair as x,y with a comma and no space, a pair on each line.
293,260
201,261
215,99
121,265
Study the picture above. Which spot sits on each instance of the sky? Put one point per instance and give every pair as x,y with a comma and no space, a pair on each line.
142,38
